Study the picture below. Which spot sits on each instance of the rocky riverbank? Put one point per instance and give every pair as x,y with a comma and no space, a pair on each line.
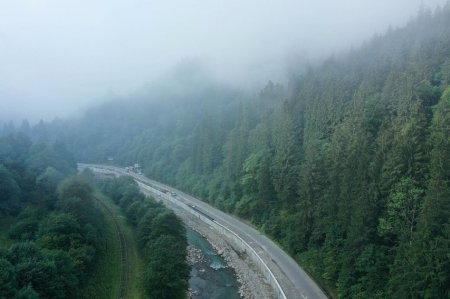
210,277
251,283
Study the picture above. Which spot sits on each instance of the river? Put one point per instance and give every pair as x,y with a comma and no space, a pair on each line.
210,277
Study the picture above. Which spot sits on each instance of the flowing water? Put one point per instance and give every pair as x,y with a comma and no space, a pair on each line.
210,278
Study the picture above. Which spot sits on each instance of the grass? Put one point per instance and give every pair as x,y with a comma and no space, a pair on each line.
108,271
105,277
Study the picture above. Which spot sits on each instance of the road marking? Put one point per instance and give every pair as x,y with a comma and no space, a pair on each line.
235,224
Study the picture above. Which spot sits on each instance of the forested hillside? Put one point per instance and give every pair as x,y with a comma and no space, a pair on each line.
54,238
50,231
348,167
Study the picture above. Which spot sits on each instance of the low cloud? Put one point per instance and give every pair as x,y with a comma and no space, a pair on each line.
58,56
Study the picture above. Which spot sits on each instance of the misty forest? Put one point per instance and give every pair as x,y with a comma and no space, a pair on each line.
346,167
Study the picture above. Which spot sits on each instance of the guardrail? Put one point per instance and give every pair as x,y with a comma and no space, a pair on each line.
223,229
263,266
237,240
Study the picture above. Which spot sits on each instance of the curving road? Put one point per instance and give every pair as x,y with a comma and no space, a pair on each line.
295,283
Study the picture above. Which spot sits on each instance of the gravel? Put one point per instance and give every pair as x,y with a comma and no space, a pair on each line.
251,282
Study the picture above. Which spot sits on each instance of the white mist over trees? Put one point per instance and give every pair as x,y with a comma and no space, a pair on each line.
58,56
347,167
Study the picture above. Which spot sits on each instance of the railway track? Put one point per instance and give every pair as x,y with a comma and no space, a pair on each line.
123,283
288,278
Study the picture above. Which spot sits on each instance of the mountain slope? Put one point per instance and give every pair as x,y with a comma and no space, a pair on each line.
347,168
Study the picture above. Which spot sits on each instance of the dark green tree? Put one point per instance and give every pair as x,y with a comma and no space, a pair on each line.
166,271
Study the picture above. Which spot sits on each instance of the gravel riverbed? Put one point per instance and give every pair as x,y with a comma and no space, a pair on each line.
251,282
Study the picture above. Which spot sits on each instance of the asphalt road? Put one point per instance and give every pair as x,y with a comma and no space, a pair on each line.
296,284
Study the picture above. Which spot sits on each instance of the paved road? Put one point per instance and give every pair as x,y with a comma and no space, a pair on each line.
296,284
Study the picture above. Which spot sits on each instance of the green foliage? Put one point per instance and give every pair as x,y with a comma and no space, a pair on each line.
27,293
59,231
402,209
9,191
428,261
24,229
427,93
49,179
14,148
165,273
50,273
76,186
8,279
348,169
54,241
161,238
56,156
145,226
134,212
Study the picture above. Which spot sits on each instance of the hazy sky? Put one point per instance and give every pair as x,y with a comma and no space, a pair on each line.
59,55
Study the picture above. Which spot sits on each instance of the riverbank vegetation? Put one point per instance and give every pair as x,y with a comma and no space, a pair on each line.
161,238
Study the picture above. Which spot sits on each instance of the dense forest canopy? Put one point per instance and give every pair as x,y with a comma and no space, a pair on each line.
348,167
53,233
